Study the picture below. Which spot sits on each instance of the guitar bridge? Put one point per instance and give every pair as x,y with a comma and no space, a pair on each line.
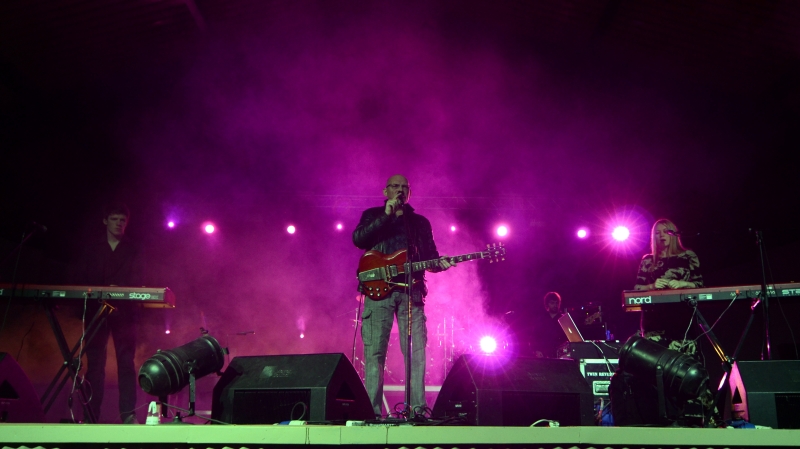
391,272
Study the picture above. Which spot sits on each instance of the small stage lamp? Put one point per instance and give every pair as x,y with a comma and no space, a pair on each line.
168,372
655,385
683,376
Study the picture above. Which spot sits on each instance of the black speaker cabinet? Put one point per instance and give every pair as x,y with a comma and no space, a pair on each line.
18,400
308,387
767,392
484,392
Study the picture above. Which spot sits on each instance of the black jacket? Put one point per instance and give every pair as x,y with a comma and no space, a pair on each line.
98,264
387,234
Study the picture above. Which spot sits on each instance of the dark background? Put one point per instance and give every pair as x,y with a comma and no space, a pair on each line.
544,116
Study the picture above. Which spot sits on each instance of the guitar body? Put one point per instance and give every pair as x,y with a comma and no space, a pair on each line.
380,274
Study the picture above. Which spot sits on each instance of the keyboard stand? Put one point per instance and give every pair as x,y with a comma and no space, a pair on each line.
72,359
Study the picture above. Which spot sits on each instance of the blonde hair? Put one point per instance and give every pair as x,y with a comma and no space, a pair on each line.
675,245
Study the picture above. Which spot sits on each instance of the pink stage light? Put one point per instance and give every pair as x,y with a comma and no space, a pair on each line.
582,233
209,228
626,231
620,233
488,344
171,224
339,226
502,231
453,228
302,335
291,229
167,332
492,343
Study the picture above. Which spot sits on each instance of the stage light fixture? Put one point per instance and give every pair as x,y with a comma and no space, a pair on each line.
488,344
620,233
683,377
168,372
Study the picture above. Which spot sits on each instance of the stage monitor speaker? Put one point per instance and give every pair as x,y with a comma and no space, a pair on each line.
767,392
482,391
18,400
276,388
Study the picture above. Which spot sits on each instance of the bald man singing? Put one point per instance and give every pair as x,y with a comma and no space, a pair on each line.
389,228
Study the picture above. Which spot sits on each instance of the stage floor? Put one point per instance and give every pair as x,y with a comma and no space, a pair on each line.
259,436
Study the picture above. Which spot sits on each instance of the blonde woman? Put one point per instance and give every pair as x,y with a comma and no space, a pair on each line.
670,264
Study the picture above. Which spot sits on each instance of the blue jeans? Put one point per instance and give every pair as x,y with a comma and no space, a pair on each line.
376,325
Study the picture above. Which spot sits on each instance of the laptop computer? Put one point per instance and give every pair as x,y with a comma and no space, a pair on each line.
570,329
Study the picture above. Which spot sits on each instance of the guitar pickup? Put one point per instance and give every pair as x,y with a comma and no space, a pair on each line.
392,270
370,275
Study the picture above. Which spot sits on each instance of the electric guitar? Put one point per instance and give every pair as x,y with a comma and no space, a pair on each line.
381,273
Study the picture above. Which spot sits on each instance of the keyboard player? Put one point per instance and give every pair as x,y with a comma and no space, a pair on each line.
669,265
112,259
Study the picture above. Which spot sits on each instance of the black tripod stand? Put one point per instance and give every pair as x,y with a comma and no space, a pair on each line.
728,361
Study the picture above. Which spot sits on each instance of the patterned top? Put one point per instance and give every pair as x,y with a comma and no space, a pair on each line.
681,267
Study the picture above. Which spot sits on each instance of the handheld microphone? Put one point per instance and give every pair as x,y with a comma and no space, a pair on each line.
39,227
401,199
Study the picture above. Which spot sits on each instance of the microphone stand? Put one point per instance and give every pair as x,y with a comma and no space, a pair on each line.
763,298
730,361
764,293
25,237
411,250
18,249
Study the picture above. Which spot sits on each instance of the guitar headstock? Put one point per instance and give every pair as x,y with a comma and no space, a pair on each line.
495,252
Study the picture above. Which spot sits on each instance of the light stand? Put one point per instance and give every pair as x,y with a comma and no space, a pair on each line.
178,419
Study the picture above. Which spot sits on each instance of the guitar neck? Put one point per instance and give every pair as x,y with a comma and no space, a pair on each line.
427,264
